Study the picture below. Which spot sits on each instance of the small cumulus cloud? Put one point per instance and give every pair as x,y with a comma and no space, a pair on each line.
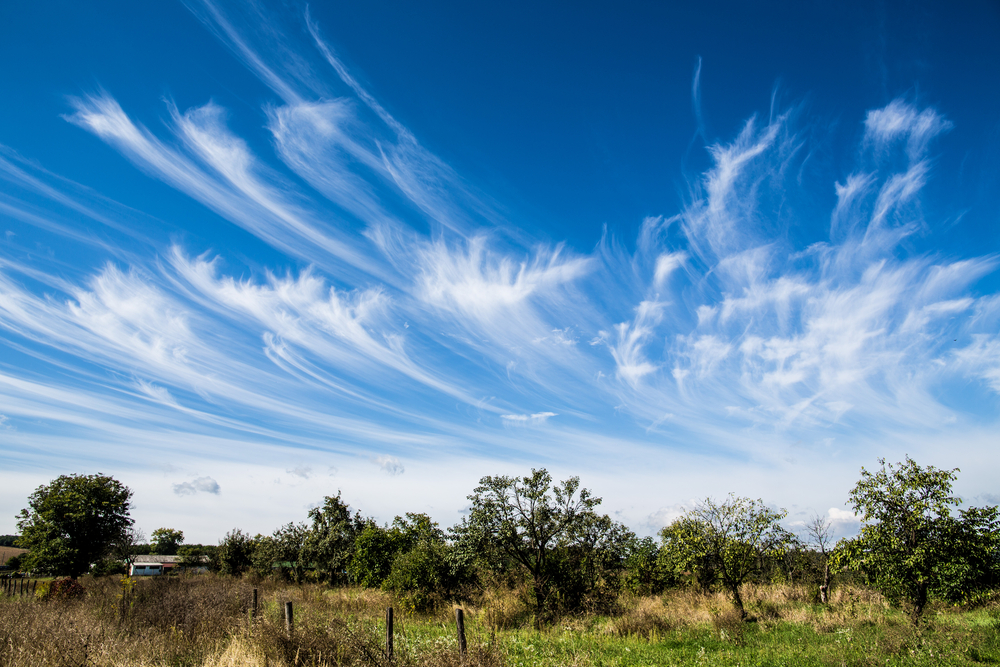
300,471
842,522
5,422
667,515
389,464
201,484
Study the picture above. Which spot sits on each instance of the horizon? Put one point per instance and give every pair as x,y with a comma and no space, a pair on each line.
254,255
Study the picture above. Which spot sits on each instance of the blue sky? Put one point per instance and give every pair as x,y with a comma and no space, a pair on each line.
254,253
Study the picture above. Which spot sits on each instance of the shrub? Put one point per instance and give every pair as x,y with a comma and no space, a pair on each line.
64,589
107,566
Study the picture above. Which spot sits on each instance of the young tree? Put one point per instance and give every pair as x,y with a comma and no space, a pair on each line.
166,541
518,519
724,541
818,532
71,522
910,545
127,545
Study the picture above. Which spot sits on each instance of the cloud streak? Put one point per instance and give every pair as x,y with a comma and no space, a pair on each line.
418,323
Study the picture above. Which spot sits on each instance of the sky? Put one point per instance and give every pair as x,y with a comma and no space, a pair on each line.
256,253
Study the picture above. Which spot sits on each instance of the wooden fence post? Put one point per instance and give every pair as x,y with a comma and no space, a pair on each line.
288,618
253,614
388,634
460,621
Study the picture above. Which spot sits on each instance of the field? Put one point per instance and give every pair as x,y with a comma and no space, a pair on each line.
206,621
9,552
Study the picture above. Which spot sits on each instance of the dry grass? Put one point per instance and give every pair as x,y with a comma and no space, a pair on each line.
505,608
644,617
206,620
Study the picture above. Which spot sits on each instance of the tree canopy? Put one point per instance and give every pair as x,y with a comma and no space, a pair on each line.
529,522
72,522
166,541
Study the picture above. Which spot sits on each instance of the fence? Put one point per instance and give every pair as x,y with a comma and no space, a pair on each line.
389,653
11,586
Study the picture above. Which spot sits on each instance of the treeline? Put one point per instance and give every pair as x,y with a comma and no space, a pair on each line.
549,544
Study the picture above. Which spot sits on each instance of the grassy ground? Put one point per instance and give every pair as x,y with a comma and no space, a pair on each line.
204,621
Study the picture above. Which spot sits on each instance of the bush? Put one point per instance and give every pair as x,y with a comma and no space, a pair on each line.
14,563
63,589
108,566
423,577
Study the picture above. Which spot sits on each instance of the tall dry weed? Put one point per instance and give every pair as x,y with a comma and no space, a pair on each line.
643,617
505,608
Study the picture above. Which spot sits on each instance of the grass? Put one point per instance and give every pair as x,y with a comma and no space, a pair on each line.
204,621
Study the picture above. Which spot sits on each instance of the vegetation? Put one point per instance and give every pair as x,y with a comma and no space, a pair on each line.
544,579
73,522
911,547
166,541
204,621
552,532
724,542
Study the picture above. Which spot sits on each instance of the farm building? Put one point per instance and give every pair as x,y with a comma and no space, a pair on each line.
152,564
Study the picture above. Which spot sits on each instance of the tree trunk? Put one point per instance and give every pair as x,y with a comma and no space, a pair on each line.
738,601
919,602
824,589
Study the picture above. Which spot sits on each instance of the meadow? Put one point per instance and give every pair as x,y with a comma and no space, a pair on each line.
206,621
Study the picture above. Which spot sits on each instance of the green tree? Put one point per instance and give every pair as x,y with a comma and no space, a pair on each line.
910,547
644,574
329,541
283,549
71,522
375,547
235,553
724,542
166,541
526,521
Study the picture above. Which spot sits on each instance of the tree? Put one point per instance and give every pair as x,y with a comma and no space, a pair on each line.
644,574
375,547
127,546
166,541
517,521
819,535
724,541
71,522
329,541
910,546
283,548
235,553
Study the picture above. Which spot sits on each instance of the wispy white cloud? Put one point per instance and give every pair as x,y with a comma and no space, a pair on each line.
420,323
